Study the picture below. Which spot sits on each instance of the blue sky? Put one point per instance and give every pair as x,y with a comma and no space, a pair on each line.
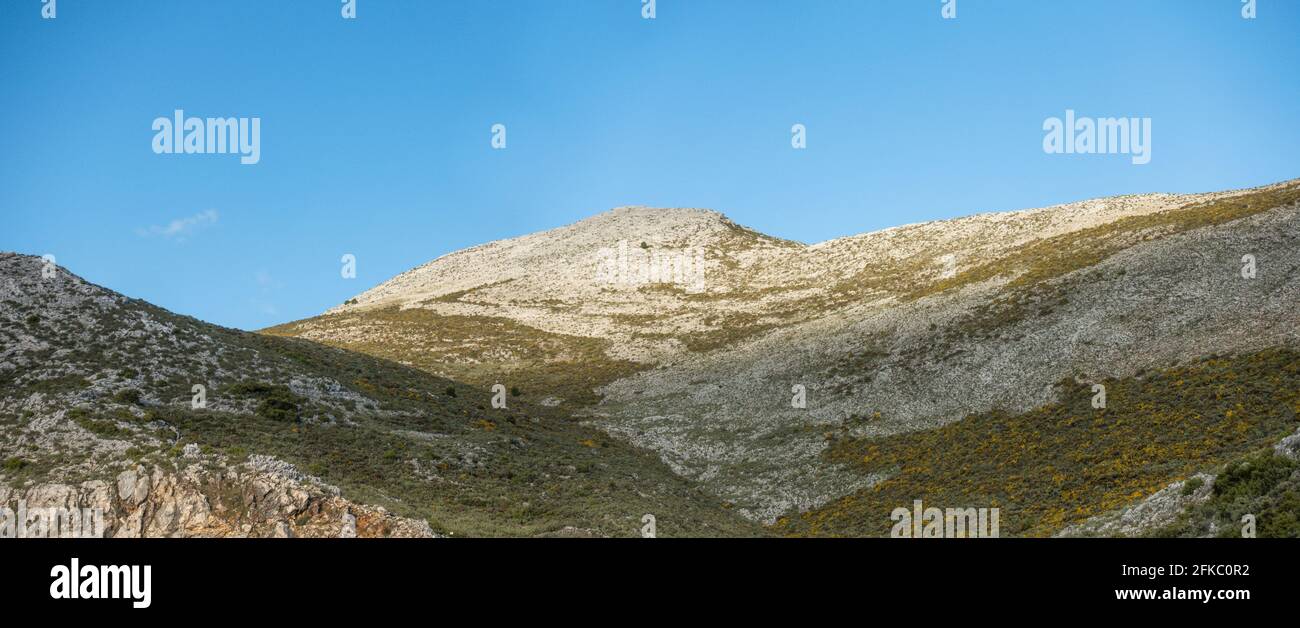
375,132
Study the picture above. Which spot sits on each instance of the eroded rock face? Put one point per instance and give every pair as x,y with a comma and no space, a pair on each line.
196,502
1289,446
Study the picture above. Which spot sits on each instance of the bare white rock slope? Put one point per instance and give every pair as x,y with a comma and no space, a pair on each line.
907,324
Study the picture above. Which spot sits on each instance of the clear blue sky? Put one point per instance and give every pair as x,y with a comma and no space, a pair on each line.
375,132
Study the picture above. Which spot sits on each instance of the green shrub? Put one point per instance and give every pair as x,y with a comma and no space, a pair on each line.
250,388
278,403
102,428
1191,485
1262,484
128,396
278,409
1252,477
60,384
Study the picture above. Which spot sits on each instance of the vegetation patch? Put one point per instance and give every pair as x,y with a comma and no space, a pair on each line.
1263,484
276,402
480,350
104,428
1064,462
129,396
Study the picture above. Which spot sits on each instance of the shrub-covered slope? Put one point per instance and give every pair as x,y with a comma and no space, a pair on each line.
1067,461
94,385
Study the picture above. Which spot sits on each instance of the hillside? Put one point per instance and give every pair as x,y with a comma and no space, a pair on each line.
912,343
295,439
1106,302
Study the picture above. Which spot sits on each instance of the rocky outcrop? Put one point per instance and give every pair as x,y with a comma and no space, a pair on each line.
1289,446
198,502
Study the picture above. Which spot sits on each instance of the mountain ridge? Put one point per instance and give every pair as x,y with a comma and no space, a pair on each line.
1095,210
804,390
918,325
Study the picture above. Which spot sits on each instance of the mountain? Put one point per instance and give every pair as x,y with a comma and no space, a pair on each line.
950,360
293,438
1121,366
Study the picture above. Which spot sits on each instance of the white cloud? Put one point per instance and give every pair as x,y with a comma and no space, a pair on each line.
265,280
182,228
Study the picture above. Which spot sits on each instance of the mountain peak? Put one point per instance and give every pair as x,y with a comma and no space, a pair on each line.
649,210
650,221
